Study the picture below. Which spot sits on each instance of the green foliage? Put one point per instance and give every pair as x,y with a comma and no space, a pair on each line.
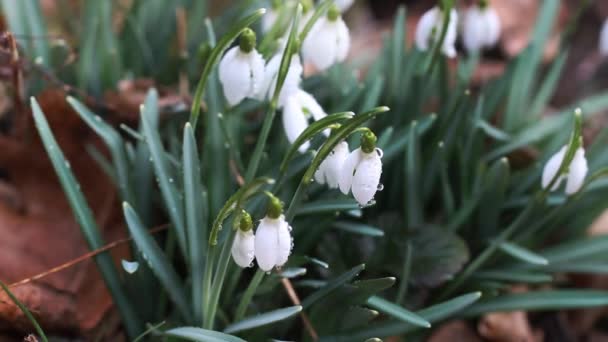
459,209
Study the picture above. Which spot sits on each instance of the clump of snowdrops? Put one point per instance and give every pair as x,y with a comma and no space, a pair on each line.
340,219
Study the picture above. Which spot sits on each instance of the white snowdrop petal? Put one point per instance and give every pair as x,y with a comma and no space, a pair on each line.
344,5
294,121
348,169
552,167
343,41
472,30
256,64
243,248
319,47
269,18
234,74
577,172
449,42
367,178
284,241
604,39
266,246
311,105
492,27
333,164
425,27
320,173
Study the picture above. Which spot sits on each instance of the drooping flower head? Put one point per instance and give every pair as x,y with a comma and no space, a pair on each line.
241,70
362,169
429,28
328,42
292,79
480,27
273,240
243,249
575,175
331,167
297,110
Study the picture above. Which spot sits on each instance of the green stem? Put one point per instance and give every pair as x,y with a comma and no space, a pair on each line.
207,282
254,164
218,280
444,29
248,295
295,201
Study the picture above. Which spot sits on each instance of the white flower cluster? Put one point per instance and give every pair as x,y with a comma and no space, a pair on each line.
480,29
270,245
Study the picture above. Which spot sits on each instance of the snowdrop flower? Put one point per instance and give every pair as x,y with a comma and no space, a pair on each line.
271,16
243,250
292,80
241,70
328,42
273,240
331,167
480,27
604,39
344,5
429,30
362,169
296,111
575,175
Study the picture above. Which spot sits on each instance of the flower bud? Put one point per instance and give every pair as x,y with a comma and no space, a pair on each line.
243,246
430,27
575,175
480,28
328,42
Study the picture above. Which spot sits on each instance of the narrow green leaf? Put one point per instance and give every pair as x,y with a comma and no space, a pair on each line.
86,221
157,260
164,177
547,88
263,319
332,285
327,206
523,254
397,311
540,300
201,335
392,149
358,228
25,311
194,221
397,49
514,276
312,130
413,202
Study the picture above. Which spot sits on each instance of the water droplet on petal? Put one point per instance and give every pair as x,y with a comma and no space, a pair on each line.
380,152
380,187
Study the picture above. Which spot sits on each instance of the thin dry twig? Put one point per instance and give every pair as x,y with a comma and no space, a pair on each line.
82,258
291,292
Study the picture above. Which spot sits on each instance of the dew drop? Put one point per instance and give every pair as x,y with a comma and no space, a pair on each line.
250,265
380,187
170,180
268,272
130,266
67,164
97,118
380,152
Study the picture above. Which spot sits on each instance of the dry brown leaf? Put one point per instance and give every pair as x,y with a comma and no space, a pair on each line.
39,231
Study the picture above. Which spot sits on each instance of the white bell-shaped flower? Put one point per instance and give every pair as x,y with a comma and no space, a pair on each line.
241,70
604,39
273,240
271,16
328,42
429,30
296,112
575,177
331,167
243,248
344,5
292,80
480,27
361,171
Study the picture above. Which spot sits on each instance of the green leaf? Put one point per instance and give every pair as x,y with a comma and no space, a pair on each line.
157,260
547,88
523,254
214,57
25,18
514,276
358,228
25,311
164,177
312,130
540,300
86,221
392,149
327,206
397,311
197,230
437,256
114,142
413,202
332,285
263,319
397,48
201,335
